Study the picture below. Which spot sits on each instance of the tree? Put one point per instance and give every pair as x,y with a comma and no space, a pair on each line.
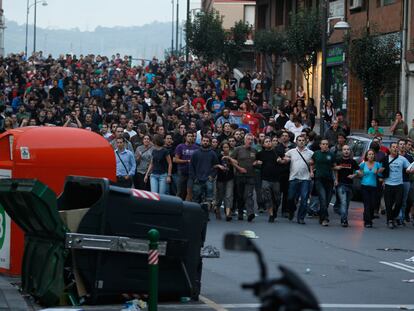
273,44
234,43
373,59
205,35
303,40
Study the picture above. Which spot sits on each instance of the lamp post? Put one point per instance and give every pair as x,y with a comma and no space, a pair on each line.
27,28
326,33
172,28
187,49
28,6
176,29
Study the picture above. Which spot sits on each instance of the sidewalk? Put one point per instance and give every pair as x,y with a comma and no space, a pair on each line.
10,297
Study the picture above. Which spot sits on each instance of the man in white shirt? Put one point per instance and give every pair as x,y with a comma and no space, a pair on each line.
300,176
130,129
296,128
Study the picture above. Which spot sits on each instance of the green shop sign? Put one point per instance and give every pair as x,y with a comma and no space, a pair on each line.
335,55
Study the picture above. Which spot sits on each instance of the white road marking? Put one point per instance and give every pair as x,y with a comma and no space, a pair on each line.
398,266
191,306
324,306
367,306
404,265
212,304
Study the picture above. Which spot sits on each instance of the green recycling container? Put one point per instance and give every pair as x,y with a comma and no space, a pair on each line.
33,206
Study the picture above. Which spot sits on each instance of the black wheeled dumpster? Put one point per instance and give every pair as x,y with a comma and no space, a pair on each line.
100,235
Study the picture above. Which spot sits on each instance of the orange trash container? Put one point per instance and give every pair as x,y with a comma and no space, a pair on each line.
48,154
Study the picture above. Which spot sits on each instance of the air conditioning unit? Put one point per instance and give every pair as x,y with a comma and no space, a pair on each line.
356,4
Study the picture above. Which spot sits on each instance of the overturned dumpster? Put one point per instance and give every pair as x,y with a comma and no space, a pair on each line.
94,237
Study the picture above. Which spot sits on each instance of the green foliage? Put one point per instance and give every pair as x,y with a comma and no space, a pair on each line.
234,43
205,35
303,39
239,32
373,59
270,42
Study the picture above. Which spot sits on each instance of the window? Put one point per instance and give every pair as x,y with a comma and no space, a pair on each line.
385,2
289,10
280,8
262,17
357,5
249,12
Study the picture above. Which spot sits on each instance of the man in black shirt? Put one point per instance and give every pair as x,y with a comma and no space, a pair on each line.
269,160
226,132
345,171
231,101
56,93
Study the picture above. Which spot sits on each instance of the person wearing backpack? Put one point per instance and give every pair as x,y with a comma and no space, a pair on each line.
394,189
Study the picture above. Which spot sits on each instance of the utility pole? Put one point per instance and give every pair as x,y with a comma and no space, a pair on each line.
187,50
172,27
34,27
27,29
176,29
324,10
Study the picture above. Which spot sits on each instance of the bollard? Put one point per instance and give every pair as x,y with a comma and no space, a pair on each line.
153,236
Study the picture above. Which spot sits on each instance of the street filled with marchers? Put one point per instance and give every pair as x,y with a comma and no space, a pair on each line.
195,131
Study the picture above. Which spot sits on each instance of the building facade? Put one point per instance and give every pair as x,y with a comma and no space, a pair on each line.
385,17
408,72
232,10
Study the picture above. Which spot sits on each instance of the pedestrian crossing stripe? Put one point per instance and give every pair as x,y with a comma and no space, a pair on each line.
399,265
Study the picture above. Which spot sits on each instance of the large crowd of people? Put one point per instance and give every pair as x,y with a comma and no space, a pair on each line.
196,131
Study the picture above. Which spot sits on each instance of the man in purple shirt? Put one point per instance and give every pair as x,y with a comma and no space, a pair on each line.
183,154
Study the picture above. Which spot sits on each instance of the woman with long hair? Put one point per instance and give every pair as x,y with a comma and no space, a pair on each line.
258,95
143,157
160,167
328,113
368,171
300,94
225,182
311,111
8,124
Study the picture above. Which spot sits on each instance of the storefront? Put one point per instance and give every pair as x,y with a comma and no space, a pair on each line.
337,77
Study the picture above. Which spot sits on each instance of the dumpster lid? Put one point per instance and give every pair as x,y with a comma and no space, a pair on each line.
33,206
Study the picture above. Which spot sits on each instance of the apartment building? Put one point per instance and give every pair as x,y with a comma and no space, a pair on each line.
232,10
385,17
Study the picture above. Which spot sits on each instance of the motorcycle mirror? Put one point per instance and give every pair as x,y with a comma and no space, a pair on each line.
237,242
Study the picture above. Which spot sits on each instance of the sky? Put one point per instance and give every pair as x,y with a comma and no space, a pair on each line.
88,14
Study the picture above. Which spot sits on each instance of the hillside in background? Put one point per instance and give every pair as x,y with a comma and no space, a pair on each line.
139,41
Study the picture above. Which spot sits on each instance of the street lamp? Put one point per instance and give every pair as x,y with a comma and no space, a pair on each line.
44,3
326,33
28,7
342,25
172,28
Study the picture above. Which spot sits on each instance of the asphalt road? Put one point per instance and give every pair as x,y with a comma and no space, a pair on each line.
349,268
347,265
